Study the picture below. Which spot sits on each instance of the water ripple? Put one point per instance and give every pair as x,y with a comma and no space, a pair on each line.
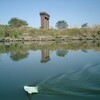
84,82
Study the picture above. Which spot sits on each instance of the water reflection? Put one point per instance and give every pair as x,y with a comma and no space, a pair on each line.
61,53
45,56
16,56
19,51
85,51
71,70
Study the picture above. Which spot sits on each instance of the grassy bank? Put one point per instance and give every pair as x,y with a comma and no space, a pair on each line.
28,33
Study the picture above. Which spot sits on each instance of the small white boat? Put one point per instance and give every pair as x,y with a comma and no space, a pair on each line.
30,89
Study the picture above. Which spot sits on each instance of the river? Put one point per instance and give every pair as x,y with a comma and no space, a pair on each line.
69,71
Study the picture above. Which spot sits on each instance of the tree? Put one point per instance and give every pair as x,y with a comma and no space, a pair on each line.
15,22
62,24
84,25
7,32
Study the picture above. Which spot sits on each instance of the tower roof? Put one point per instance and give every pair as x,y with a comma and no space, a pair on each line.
44,13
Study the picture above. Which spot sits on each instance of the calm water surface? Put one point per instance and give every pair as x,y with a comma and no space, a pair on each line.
60,73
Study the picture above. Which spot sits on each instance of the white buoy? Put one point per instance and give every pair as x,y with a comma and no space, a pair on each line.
30,89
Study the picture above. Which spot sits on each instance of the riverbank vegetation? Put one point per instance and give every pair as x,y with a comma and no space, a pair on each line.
28,33
18,30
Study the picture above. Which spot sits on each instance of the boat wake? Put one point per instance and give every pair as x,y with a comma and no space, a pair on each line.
84,82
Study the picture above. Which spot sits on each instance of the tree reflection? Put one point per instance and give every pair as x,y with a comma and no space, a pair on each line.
85,51
61,53
7,47
16,56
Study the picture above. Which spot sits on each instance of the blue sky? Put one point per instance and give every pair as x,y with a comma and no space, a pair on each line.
75,12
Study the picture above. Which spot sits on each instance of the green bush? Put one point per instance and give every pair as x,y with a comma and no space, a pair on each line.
98,32
1,33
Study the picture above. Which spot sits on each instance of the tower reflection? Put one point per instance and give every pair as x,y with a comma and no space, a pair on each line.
45,56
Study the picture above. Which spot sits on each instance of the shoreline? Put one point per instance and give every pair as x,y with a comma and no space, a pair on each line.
51,45
12,34
56,39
